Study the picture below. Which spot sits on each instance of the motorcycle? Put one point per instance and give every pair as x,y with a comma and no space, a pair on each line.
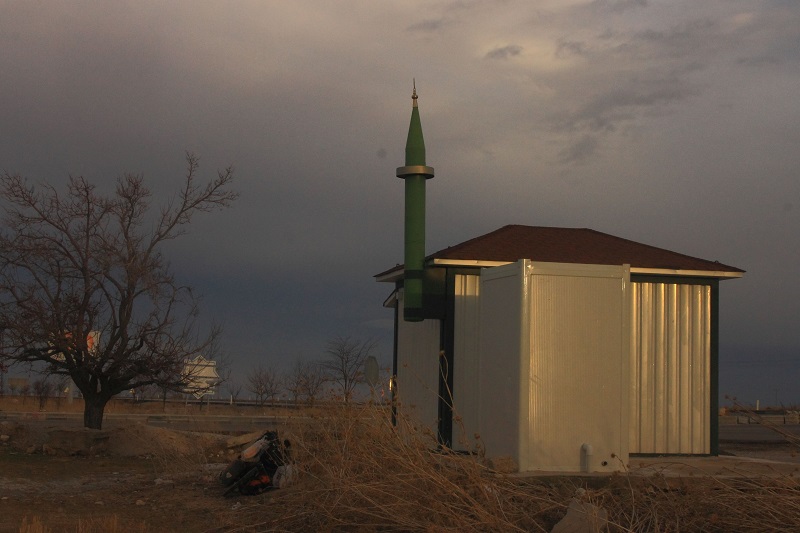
262,466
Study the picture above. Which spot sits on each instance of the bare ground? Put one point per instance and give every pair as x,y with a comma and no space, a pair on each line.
169,485
146,479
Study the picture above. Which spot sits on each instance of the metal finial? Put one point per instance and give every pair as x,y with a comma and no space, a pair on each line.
414,94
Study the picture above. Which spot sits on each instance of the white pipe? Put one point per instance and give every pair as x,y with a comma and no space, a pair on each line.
586,457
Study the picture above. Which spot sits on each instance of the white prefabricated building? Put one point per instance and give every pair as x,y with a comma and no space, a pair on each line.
554,368
563,365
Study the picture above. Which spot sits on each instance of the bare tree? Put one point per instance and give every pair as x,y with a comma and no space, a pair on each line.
313,382
233,389
294,383
307,380
147,392
265,383
61,387
344,364
24,390
84,287
42,388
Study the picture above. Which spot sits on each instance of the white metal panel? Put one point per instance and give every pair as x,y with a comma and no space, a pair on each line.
502,407
553,369
670,368
418,369
466,361
578,367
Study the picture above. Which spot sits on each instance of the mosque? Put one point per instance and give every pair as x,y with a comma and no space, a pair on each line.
564,349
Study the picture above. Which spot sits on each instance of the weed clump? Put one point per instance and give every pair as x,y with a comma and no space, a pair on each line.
355,471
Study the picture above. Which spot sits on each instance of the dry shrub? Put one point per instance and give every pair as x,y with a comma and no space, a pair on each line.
355,471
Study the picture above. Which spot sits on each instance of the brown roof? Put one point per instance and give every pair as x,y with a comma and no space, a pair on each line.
571,245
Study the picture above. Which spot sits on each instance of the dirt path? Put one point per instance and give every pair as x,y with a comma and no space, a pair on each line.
99,491
133,479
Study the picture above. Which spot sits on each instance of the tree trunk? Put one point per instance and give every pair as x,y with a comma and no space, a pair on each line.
93,409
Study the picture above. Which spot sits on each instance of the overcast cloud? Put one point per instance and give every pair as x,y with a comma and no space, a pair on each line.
671,122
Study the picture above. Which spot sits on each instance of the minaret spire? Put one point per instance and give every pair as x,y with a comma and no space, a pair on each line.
415,173
415,143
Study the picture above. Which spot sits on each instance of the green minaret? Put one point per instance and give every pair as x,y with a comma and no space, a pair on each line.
415,173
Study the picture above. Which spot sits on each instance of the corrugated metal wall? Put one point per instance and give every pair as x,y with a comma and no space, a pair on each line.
466,361
418,369
670,368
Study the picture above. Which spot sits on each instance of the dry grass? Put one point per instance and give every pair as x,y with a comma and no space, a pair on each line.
109,524
707,504
184,452
358,473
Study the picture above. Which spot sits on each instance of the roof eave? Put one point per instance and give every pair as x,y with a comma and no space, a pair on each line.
468,263
396,273
687,273
634,270
390,276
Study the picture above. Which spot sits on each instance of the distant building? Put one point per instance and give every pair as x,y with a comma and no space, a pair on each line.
565,349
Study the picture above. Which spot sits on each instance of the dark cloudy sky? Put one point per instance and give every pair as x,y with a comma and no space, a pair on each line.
671,122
